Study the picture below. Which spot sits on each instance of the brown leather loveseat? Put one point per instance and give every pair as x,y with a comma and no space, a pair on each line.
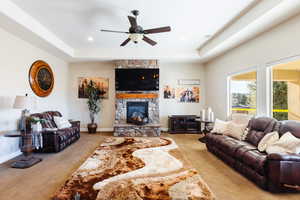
57,139
275,172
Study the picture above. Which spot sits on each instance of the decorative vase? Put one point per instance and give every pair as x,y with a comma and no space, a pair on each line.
92,127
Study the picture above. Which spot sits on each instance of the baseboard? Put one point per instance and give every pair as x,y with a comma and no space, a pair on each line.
9,156
98,130
112,129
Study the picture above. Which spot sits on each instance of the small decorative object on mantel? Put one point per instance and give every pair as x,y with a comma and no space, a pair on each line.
94,104
41,78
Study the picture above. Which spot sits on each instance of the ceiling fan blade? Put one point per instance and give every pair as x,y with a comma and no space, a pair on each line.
149,41
125,42
158,30
113,31
132,21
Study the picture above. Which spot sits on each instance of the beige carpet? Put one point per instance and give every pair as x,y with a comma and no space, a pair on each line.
41,181
136,169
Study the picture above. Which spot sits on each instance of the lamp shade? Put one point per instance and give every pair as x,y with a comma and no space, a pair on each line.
22,102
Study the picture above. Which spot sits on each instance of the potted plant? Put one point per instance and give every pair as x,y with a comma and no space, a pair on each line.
94,100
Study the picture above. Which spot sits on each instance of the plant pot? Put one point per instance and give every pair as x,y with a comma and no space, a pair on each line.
92,128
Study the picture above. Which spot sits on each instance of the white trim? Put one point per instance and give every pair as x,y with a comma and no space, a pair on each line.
19,16
269,79
271,18
283,60
10,156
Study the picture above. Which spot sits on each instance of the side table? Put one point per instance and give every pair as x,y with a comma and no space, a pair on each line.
208,126
27,159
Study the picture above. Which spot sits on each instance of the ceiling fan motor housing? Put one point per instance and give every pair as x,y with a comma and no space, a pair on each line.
137,29
135,12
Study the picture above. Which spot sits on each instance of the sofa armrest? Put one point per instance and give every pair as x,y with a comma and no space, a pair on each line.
284,157
283,172
75,123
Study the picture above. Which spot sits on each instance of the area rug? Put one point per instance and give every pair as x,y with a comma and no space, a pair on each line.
135,169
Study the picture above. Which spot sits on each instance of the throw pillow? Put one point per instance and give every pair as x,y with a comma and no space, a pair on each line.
220,126
268,140
288,143
61,123
235,130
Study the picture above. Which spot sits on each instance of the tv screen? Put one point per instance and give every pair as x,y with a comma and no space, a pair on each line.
137,79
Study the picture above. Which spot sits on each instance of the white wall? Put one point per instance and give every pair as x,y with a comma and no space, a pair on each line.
278,43
169,74
16,59
78,107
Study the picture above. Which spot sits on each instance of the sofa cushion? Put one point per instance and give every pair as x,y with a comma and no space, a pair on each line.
256,160
229,146
290,126
258,127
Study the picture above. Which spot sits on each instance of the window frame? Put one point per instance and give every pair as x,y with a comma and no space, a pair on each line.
228,98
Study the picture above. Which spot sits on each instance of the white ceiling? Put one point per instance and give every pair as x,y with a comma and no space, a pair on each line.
73,21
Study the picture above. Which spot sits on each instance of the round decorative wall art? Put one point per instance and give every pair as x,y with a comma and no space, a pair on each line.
41,78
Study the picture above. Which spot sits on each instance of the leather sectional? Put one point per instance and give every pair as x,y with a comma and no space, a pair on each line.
57,140
274,172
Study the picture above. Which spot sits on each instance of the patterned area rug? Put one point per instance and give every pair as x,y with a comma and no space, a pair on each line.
135,169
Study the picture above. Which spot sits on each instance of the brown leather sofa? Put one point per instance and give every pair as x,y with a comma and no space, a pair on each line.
56,140
274,172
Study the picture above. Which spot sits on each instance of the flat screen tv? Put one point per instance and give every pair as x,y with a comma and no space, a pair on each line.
137,79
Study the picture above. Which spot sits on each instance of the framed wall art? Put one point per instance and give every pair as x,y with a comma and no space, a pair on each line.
41,78
187,94
101,83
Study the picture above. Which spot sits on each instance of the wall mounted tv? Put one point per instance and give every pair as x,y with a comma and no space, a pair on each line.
137,79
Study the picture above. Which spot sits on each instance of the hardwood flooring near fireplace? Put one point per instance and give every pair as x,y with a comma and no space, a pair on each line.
42,180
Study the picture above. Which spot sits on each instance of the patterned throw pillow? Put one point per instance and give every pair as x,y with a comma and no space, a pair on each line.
268,140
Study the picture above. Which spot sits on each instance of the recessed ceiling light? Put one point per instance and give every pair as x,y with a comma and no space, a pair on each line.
90,39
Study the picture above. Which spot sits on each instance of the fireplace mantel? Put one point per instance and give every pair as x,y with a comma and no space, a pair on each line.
136,95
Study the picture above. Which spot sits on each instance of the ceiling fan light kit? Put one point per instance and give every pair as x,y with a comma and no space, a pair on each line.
137,33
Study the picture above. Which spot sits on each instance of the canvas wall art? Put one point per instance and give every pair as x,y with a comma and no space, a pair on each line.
101,83
169,92
188,94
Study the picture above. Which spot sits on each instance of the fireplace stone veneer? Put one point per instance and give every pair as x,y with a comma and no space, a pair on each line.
121,127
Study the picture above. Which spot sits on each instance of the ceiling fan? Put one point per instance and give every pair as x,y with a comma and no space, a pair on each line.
137,33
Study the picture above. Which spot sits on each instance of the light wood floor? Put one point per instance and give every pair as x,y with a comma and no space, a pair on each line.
42,180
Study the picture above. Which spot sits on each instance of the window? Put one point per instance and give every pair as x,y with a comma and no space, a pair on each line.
286,91
242,98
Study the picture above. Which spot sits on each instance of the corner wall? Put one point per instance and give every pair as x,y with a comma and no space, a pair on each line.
16,59
279,43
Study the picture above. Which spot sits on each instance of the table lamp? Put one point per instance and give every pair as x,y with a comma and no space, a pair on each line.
24,103
27,160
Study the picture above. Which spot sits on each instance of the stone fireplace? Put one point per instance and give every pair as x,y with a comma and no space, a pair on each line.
137,113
